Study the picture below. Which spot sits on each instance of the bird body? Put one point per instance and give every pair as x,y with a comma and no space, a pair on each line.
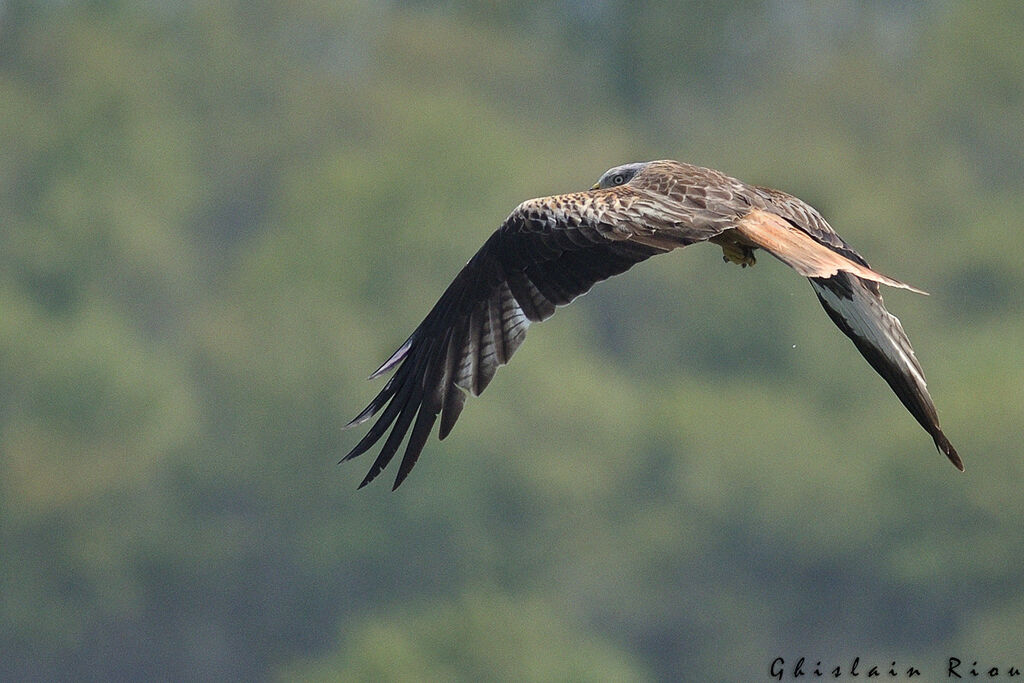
552,249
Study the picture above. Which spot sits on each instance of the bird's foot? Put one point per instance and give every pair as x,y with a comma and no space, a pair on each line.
739,254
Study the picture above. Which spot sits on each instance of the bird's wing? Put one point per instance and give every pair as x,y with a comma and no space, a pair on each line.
848,291
548,252
856,307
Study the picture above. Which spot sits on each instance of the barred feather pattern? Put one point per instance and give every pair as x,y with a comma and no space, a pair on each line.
548,252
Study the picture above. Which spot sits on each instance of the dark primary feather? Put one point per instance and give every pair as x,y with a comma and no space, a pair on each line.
537,260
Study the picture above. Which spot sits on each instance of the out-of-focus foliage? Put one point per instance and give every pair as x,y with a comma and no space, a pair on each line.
474,637
216,218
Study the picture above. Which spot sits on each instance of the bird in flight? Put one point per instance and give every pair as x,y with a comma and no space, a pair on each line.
551,250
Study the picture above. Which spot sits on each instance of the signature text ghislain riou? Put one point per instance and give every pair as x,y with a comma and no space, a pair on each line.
955,668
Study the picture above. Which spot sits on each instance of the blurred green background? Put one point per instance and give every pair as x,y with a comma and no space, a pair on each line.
217,218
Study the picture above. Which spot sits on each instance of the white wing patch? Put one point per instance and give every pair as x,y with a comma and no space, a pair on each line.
867,317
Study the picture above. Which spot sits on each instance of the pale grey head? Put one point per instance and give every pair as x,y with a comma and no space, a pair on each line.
620,175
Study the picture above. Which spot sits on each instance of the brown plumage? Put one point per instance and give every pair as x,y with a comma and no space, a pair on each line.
552,249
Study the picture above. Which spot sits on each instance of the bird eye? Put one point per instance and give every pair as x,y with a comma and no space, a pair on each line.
618,180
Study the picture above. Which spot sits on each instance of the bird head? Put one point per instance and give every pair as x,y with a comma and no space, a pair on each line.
620,175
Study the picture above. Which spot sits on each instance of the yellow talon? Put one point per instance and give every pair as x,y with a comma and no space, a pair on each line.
742,255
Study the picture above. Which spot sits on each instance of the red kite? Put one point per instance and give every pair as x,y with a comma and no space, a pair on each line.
553,249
